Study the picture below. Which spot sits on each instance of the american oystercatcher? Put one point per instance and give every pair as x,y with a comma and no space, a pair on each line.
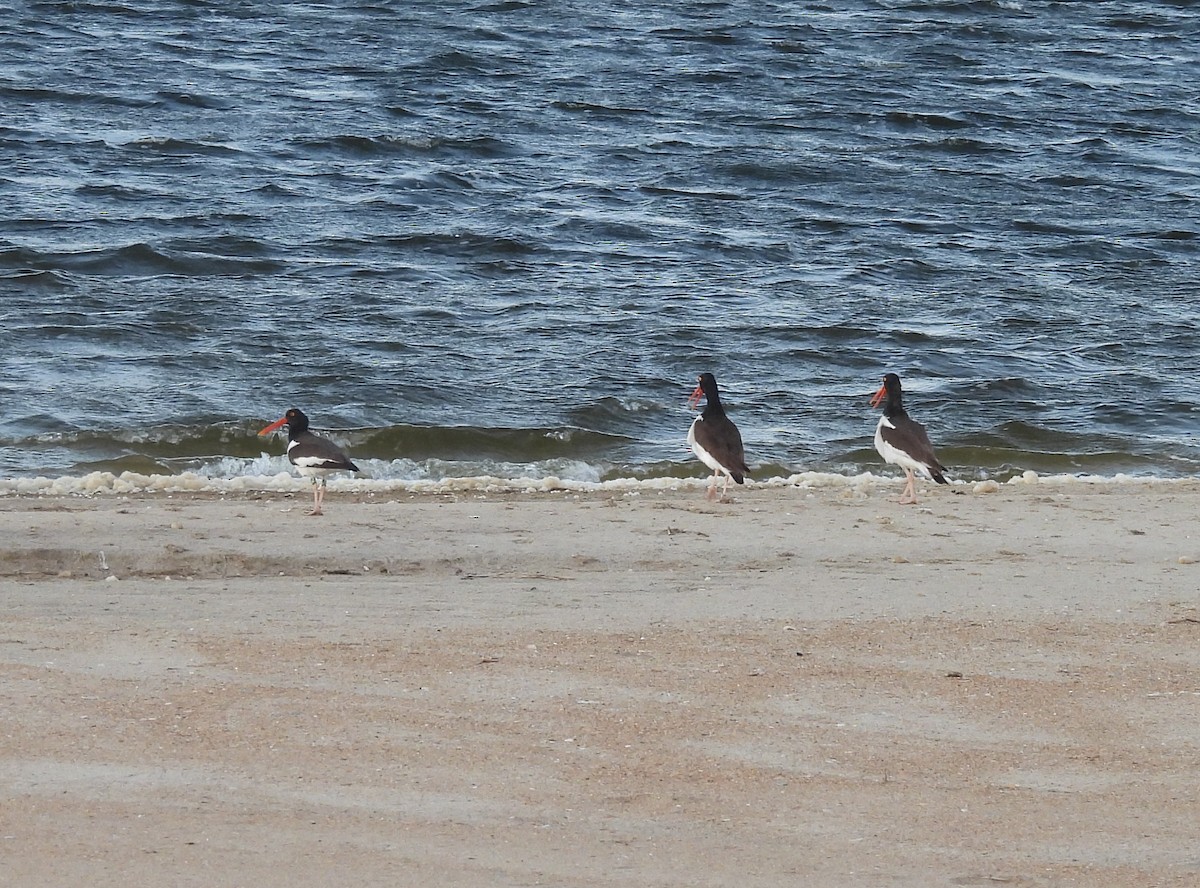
902,441
313,456
714,438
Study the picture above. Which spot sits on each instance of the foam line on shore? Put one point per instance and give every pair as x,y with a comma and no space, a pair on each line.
125,483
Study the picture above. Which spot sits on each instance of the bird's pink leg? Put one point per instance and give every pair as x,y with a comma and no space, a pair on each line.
318,489
909,496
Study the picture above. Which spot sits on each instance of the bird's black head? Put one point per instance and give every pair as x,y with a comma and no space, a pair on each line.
707,388
294,419
890,390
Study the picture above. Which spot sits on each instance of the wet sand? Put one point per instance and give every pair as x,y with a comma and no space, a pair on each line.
801,687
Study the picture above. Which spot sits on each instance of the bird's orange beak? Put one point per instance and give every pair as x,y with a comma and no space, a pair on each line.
877,399
695,398
273,426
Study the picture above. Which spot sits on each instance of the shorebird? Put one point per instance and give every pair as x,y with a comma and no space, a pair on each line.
313,456
902,441
714,438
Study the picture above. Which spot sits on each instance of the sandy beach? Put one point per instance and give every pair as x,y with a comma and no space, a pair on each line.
813,687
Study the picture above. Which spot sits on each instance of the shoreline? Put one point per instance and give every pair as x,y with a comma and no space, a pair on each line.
137,484
805,685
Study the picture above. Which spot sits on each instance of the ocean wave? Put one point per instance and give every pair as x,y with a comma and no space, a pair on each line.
144,259
370,146
173,147
396,451
37,280
614,438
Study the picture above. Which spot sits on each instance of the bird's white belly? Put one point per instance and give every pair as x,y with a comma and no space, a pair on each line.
894,455
312,471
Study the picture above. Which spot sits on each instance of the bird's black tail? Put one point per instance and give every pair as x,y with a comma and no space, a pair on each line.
937,475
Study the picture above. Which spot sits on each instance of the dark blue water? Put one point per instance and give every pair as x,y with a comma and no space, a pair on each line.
507,236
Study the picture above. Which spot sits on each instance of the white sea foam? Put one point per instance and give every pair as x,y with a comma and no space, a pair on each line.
126,483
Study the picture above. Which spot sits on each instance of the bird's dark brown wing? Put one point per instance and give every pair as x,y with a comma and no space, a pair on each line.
315,452
909,436
721,439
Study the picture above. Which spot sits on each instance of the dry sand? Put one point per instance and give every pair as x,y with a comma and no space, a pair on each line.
801,687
